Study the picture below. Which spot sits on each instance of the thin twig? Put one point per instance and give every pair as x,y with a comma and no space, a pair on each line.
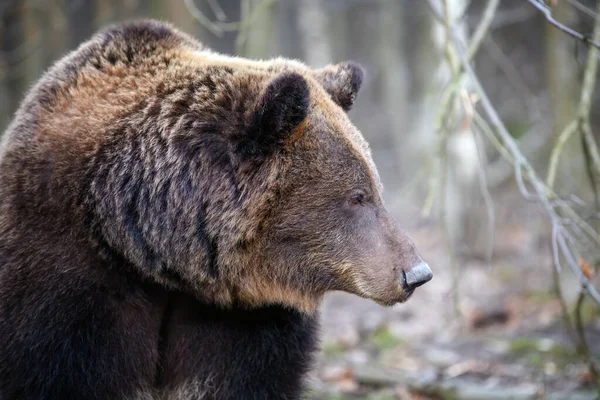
562,139
482,28
475,43
442,125
468,105
585,102
584,9
487,198
584,348
548,15
445,132
592,158
591,174
561,299
217,10
435,12
433,187
487,130
542,192
240,40
199,16
448,48
219,28
514,78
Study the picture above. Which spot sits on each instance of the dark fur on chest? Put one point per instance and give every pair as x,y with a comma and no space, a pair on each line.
236,353
68,338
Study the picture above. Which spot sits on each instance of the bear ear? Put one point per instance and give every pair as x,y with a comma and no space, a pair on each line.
342,81
282,106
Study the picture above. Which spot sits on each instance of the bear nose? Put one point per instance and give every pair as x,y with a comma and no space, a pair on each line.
416,276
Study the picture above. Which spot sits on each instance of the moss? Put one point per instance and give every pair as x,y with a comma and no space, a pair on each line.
534,359
540,296
589,312
523,344
322,395
382,396
383,339
537,352
336,397
561,353
332,349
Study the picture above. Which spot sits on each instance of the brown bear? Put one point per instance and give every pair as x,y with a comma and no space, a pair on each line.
170,219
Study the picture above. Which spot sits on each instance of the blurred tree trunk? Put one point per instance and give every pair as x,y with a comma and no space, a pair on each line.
420,149
394,82
466,215
256,39
288,33
341,29
564,77
177,13
313,23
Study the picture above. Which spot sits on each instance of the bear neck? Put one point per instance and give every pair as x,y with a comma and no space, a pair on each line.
266,350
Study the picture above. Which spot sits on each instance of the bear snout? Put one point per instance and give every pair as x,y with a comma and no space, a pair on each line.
416,276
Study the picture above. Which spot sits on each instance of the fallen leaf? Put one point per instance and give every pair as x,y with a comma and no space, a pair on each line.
586,268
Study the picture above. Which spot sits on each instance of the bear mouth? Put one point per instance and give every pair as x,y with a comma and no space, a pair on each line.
404,295
408,294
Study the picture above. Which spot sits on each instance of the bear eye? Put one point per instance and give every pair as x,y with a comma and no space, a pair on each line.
357,199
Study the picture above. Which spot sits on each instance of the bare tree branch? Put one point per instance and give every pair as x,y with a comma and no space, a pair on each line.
483,27
541,193
220,27
562,139
217,10
548,15
583,8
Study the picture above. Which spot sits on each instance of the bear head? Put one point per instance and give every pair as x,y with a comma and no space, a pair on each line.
328,228
243,182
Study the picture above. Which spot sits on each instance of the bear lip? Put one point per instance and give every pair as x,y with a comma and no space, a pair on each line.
405,294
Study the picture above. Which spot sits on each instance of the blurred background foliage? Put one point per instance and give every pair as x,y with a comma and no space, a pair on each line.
492,322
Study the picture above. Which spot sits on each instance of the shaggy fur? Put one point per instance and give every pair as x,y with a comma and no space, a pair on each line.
170,219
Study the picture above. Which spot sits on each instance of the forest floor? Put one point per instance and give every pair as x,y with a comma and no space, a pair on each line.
505,340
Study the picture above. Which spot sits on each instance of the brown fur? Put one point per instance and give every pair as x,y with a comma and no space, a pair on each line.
101,97
144,166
